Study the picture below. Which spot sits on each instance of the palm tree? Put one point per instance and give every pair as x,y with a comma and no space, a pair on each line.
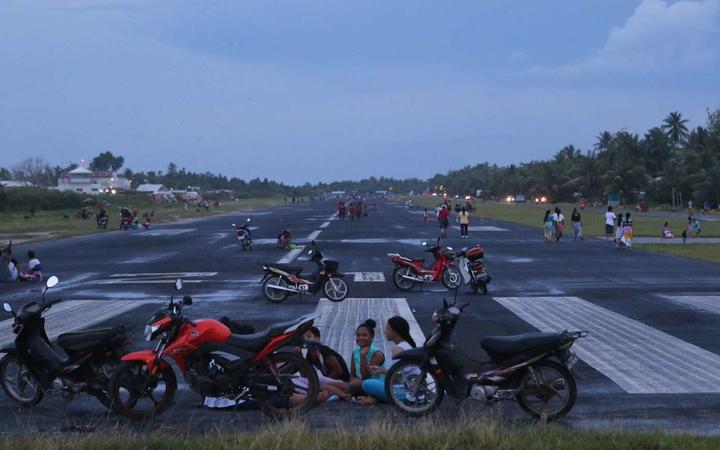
603,140
675,127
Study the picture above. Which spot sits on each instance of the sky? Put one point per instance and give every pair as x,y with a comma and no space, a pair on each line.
319,90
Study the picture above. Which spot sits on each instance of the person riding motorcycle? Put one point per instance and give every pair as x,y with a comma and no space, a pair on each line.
284,239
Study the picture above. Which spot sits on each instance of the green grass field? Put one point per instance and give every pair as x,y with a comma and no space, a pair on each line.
705,252
20,226
417,435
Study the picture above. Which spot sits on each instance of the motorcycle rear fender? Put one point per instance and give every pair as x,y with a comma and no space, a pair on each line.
146,356
415,354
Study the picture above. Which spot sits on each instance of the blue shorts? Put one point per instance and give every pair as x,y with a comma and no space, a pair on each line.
375,387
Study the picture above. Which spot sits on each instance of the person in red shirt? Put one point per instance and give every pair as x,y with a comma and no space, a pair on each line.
444,220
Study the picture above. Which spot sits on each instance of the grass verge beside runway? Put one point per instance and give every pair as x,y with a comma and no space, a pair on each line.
419,435
45,225
704,252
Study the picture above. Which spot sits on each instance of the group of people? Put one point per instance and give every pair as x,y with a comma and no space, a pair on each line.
355,209
10,268
619,228
554,225
363,380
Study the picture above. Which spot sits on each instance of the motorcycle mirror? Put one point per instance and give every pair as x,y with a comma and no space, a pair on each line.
52,281
7,307
178,284
187,300
234,225
248,220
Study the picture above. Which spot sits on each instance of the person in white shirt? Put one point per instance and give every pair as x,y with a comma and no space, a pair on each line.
558,223
609,223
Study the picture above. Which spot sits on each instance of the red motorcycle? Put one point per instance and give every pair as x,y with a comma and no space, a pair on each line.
217,363
409,271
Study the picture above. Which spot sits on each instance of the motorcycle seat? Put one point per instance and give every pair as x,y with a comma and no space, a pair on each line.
295,270
87,339
256,341
520,343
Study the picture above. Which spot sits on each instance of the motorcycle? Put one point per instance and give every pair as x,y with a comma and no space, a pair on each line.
473,269
409,271
244,235
534,369
32,368
102,221
217,363
282,280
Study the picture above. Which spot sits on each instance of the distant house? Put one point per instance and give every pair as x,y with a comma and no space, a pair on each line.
158,192
12,184
186,195
92,182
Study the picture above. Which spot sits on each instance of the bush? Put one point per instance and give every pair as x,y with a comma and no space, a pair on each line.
25,199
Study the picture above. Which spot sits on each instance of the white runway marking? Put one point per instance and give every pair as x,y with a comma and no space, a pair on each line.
291,255
373,277
73,315
324,224
313,235
709,303
338,322
164,232
482,228
639,358
156,278
148,258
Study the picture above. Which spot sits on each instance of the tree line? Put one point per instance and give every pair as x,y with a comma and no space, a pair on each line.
667,160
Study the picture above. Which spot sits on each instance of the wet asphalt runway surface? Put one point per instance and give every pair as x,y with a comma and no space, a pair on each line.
654,316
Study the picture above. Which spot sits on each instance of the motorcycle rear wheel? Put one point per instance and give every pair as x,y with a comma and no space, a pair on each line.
402,283
18,382
275,295
292,373
535,395
412,390
133,383
335,289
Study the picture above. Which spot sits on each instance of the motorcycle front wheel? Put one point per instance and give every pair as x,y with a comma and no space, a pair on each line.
451,278
275,295
295,385
413,390
547,391
399,279
18,382
139,394
335,289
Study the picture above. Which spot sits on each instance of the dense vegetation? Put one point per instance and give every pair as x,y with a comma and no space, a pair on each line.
668,160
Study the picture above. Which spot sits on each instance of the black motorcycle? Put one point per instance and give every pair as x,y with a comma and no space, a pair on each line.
533,369
32,368
282,280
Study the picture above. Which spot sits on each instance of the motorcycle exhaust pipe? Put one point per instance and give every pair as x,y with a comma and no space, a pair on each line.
416,279
281,288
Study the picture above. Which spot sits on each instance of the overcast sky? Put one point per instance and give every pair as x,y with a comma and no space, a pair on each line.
323,89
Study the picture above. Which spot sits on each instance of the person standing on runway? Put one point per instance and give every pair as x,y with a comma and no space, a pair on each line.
444,220
576,224
464,219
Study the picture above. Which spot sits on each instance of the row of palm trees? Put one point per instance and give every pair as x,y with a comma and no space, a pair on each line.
668,160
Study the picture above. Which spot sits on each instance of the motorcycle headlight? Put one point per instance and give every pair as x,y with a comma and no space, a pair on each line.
150,331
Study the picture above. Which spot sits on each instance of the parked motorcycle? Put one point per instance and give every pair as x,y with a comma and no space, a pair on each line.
217,363
32,368
410,271
533,369
473,269
282,280
244,235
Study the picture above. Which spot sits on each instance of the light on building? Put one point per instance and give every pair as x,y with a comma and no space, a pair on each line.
113,192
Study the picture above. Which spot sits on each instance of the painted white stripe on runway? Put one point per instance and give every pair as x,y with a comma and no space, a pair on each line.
164,232
291,255
74,315
313,235
333,217
482,228
373,277
639,358
338,322
709,303
155,278
324,224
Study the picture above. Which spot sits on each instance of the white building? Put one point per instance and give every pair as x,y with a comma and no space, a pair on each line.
89,182
10,184
154,189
